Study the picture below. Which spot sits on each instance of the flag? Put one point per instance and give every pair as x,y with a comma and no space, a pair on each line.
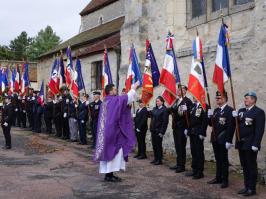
4,78
133,73
106,73
69,68
151,74
80,77
17,79
196,85
74,84
61,73
169,74
25,82
41,95
222,70
54,79
12,80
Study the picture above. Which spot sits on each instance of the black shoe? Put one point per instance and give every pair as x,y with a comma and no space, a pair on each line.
249,193
158,162
142,157
6,147
153,162
117,179
224,185
190,173
180,170
215,181
173,167
198,176
136,156
242,191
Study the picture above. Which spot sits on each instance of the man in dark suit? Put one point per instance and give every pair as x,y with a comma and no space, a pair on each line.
180,123
221,138
198,124
23,114
251,129
95,109
66,98
7,119
83,118
29,108
141,127
57,115
48,114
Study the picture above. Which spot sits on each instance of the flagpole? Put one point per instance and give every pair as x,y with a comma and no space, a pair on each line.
233,96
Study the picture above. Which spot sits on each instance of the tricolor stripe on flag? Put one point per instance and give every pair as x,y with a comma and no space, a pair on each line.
69,68
222,70
41,95
106,72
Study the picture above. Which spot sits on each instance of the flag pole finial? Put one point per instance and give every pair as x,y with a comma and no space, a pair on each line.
197,32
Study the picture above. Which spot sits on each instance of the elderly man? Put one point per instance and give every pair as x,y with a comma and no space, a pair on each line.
251,129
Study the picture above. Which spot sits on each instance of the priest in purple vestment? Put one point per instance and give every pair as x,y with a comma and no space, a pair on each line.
115,133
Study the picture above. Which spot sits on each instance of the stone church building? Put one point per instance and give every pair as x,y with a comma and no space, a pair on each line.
118,23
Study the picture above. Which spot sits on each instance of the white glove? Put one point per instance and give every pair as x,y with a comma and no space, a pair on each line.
5,124
87,103
185,132
54,101
134,114
210,113
201,137
228,145
235,113
65,115
82,121
137,130
24,111
160,135
28,98
16,110
184,107
19,97
33,98
255,149
76,106
67,101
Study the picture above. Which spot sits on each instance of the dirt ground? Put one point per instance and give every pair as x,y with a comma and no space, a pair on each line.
43,167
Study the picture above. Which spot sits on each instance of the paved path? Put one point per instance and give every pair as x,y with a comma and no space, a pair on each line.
42,167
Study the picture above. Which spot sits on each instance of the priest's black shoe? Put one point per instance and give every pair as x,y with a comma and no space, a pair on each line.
180,170
173,167
224,185
190,173
249,193
117,179
158,162
214,181
153,162
242,191
198,176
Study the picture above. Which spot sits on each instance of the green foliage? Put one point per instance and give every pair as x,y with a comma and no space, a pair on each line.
5,53
43,42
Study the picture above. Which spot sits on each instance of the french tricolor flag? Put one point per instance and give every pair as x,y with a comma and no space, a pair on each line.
41,95
69,68
17,79
169,74
133,73
106,74
222,70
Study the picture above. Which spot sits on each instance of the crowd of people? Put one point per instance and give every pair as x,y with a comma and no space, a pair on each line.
112,138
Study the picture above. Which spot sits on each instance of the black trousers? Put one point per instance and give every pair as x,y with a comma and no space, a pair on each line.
16,119
48,124
180,141
6,131
23,119
65,128
197,153
222,162
30,119
82,132
141,137
157,146
58,126
94,132
38,123
248,160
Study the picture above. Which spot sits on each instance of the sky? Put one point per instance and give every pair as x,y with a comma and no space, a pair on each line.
33,15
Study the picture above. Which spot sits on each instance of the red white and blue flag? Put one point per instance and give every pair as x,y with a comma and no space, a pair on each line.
106,73
169,74
4,71
75,77
61,73
41,95
196,83
12,80
133,73
151,75
222,71
54,78
69,68
25,82
17,79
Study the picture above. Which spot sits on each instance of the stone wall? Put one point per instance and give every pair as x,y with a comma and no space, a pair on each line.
110,12
153,19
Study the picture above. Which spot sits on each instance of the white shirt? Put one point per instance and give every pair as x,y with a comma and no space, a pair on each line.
223,106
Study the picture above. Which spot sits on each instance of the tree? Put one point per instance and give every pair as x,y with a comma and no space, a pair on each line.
43,42
20,45
6,53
